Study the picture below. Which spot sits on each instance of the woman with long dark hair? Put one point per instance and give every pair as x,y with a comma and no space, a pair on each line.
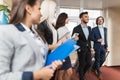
65,71
23,52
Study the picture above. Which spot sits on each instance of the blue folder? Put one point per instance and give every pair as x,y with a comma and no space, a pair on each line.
62,52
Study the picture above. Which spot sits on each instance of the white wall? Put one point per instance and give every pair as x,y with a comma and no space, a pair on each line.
1,1
112,19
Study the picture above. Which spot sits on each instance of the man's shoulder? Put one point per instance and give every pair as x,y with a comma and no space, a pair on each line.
95,28
89,27
78,26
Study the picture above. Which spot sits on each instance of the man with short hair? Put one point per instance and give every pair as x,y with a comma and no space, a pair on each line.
84,53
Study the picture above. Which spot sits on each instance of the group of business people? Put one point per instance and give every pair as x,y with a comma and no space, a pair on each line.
24,49
99,36
55,33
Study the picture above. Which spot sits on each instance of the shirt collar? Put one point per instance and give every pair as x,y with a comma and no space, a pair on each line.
26,28
100,26
83,26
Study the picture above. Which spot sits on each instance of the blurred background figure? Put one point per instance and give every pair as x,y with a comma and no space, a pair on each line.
46,26
84,53
23,52
48,8
65,72
99,36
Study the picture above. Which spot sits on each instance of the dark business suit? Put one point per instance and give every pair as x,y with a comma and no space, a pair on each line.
100,49
84,54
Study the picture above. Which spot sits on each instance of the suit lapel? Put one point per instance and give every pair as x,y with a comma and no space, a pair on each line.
98,31
82,33
32,42
89,29
26,35
20,27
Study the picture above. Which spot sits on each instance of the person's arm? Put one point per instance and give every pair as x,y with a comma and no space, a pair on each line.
6,73
53,46
47,72
78,38
7,50
94,37
92,48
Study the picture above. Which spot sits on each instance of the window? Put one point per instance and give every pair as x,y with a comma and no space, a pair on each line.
93,14
70,12
74,16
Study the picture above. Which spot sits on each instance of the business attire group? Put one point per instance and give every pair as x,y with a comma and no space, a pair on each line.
97,35
16,64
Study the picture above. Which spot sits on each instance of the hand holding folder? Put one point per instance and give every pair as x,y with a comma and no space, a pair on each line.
63,51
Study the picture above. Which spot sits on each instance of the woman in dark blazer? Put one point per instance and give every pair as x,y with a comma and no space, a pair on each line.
65,71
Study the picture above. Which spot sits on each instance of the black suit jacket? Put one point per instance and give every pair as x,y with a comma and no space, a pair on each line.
43,27
82,42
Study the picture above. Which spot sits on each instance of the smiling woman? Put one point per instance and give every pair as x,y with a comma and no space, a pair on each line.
23,52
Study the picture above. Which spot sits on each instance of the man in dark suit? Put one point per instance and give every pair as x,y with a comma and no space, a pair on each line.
84,53
99,36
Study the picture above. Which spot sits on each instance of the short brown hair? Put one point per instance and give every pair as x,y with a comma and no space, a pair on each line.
81,14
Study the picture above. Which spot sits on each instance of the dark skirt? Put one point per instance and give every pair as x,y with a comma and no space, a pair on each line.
67,64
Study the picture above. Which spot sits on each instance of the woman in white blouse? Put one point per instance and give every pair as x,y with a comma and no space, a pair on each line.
65,71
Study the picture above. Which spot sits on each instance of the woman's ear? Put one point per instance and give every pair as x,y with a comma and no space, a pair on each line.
28,9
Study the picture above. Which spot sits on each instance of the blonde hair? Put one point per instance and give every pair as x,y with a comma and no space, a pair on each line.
48,8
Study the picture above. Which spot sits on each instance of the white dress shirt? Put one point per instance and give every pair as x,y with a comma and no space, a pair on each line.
85,30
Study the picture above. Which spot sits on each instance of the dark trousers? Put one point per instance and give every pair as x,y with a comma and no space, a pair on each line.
84,57
99,59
